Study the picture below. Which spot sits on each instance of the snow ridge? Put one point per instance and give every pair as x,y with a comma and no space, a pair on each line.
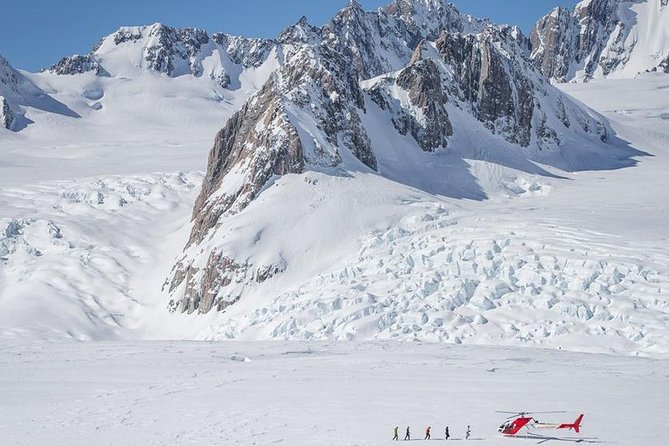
172,51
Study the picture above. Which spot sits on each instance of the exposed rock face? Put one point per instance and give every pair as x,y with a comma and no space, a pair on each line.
309,116
486,74
553,48
423,114
7,117
10,93
247,52
257,142
77,64
600,38
664,65
427,19
169,49
16,91
499,89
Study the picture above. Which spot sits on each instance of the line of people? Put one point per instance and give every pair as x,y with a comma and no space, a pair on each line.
428,433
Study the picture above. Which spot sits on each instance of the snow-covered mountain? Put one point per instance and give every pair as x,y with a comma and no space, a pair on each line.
200,79
603,38
470,90
172,51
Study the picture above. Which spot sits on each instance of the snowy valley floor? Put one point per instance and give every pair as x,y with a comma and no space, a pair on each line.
185,393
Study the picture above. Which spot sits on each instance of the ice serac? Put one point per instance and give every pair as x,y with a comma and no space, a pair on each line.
602,38
305,117
172,51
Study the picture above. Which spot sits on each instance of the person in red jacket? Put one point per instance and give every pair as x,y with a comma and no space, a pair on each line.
427,433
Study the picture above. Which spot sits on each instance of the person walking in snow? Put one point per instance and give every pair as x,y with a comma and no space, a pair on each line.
397,433
408,435
427,433
468,433
447,434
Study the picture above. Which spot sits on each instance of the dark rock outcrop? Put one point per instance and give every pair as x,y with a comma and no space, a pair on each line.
77,64
247,52
424,86
7,117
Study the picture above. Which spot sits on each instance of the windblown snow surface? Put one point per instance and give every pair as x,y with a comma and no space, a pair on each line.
92,220
317,393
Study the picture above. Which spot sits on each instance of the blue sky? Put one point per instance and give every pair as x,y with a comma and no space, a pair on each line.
37,33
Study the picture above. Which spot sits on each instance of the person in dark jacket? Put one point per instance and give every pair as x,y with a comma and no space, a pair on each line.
408,435
447,434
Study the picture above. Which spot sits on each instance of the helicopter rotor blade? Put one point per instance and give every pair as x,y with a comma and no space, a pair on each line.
522,414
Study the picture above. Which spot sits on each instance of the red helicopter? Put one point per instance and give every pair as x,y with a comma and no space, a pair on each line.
519,420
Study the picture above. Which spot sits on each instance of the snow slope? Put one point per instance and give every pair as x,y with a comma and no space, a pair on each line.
71,252
16,93
184,393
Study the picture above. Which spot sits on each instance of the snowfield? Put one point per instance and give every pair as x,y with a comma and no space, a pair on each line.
184,393
72,251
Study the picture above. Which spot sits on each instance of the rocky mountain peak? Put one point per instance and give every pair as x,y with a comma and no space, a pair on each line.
166,50
77,64
172,51
426,19
601,38
301,32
